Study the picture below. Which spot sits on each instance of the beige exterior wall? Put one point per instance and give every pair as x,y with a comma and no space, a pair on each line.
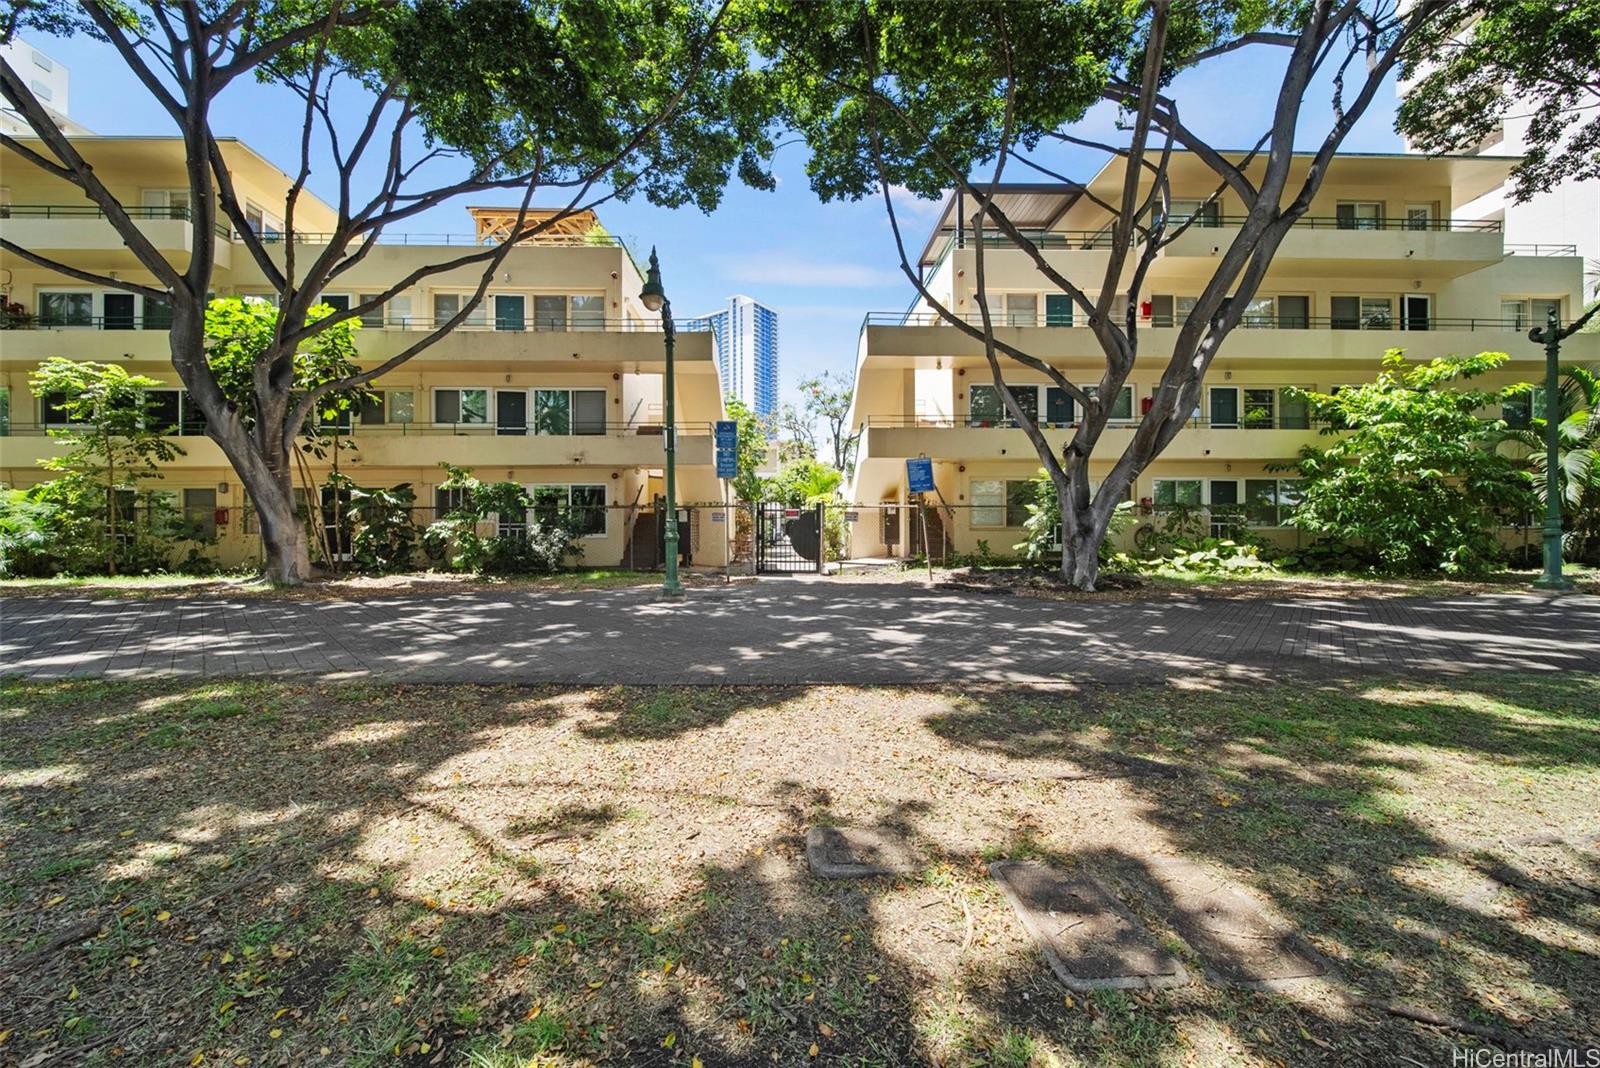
913,381
623,355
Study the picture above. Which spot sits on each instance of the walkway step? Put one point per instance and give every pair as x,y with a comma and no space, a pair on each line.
857,852
1089,938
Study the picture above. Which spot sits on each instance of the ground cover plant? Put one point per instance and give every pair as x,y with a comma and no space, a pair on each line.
252,872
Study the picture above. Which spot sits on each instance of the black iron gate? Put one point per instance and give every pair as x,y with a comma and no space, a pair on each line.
788,540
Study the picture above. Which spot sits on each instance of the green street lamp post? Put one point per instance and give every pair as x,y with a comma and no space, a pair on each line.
655,298
1550,336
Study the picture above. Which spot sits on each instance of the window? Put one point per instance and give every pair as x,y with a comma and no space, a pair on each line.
588,313
1359,215
549,313
1204,213
1022,309
5,411
1261,311
163,410
402,405
1122,408
1269,502
1177,493
41,60
1421,216
192,421
447,305
40,90
1019,494
52,411
255,218
1521,313
1260,407
586,505
118,313
1257,408
371,409
1294,410
988,502
157,313
200,512
984,407
172,203
1059,409
1362,313
1057,309
1294,313
66,308
446,501
461,406
569,411
373,318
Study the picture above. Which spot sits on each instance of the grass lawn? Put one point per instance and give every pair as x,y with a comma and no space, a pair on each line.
270,874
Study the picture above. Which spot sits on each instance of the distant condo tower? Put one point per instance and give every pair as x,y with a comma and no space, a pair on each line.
746,334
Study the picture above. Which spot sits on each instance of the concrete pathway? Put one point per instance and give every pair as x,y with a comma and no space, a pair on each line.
788,631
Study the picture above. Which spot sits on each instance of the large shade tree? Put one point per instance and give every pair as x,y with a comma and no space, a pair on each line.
892,93
399,107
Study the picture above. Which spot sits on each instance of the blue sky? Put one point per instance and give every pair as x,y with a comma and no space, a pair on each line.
821,265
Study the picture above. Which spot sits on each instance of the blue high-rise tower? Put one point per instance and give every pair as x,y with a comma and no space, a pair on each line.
746,334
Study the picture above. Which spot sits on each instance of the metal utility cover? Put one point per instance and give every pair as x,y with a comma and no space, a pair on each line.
1089,938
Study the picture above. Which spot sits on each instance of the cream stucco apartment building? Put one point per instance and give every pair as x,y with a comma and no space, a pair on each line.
1380,262
555,383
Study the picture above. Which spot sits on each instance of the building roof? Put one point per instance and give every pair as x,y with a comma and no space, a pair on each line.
1031,205
1040,205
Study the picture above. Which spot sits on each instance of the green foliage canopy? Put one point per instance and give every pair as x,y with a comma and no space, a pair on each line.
1412,477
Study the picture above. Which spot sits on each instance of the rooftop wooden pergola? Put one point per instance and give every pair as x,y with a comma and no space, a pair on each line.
496,225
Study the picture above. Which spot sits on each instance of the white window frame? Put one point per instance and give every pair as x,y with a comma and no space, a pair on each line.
488,405
605,510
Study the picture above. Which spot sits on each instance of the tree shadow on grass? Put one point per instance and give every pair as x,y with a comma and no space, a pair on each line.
1355,810
488,875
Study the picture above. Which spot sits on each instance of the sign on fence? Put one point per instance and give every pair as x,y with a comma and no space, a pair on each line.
919,474
727,441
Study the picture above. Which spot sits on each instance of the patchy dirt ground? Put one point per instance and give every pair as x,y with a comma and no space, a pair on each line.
258,873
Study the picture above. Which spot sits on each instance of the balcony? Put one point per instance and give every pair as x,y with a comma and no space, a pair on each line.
72,229
914,338
1322,245
1317,245
424,445
592,344
901,437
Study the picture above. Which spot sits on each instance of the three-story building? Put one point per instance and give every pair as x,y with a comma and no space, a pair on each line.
1379,262
554,382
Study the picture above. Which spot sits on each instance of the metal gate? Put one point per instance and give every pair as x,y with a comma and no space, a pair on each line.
788,540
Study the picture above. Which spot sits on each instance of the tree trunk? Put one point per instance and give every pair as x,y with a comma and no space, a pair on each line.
283,536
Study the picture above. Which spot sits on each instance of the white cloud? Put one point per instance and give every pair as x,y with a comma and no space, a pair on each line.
775,268
908,205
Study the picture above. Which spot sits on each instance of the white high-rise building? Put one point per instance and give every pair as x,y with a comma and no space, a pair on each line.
746,333
50,81
1565,219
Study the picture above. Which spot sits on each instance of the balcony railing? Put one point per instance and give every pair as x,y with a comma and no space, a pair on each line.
90,211
358,430
1266,421
1540,250
1252,321
164,322
386,238
1092,240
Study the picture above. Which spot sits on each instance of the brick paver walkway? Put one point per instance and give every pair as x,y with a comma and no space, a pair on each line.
786,631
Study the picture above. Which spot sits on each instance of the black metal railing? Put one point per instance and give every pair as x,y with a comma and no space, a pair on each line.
529,324
358,429
1268,421
90,211
1251,321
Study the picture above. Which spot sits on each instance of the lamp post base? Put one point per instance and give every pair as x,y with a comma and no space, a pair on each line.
1552,582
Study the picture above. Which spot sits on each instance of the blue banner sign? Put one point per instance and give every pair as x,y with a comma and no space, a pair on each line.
919,475
727,440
